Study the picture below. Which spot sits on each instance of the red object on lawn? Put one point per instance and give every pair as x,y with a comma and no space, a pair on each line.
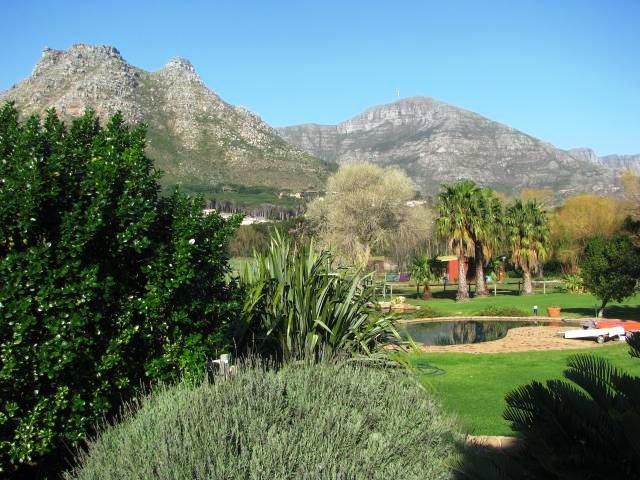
628,325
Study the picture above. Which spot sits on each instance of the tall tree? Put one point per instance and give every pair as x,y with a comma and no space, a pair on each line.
579,219
365,210
487,231
631,184
611,268
457,208
528,235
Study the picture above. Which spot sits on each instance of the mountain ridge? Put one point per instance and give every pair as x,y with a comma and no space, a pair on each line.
435,142
203,142
197,138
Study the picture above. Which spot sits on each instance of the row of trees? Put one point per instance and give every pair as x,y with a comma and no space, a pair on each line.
475,224
369,210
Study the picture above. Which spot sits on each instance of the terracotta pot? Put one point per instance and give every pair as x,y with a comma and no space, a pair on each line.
553,311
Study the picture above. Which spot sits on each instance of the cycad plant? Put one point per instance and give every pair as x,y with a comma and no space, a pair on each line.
298,307
587,429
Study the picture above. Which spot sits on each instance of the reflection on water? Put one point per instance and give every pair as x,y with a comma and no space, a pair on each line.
459,332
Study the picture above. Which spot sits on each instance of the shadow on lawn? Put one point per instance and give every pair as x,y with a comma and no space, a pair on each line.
451,291
428,369
624,312
484,462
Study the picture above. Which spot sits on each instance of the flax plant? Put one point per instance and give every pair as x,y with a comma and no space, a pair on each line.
298,307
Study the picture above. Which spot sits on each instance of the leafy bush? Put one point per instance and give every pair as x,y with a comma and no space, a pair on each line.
314,422
425,270
298,307
611,268
574,283
105,285
501,311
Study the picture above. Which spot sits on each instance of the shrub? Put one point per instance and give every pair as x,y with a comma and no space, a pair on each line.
299,306
574,282
105,285
313,422
426,311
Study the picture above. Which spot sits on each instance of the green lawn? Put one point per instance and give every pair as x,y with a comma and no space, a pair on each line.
573,305
473,386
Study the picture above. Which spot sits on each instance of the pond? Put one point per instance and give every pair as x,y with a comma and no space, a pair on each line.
460,331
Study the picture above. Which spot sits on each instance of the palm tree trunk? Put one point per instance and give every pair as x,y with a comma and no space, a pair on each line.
481,287
426,293
527,287
463,288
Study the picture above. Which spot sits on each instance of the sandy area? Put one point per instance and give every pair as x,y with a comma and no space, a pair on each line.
523,339
492,441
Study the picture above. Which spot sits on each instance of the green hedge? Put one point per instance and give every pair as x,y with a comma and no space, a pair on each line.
322,421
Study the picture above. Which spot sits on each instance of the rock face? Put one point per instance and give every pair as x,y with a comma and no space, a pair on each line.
438,143
194,136
618,162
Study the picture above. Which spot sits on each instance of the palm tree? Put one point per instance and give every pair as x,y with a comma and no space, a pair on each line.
487,231
528,235
423,271
457,213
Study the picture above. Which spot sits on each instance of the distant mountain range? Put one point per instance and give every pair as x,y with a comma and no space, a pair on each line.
438,143
202,142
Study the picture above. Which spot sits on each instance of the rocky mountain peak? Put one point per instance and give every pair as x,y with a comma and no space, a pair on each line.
80,58
180,69
193,135
179,63
585,154
416,112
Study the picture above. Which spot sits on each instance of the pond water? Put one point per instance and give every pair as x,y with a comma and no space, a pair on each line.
459,332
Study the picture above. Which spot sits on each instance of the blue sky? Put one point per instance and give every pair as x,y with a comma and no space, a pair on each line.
567,72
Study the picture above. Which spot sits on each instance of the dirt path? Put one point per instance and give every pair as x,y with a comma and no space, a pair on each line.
523,339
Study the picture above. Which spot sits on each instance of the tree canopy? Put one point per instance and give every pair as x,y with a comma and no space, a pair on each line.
527,227
365,209
611,268
579,219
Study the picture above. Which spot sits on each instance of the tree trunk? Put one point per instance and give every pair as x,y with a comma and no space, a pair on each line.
481,287
426,293
463,288
604,304
527,287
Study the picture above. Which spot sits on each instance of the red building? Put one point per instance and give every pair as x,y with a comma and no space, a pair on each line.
452,267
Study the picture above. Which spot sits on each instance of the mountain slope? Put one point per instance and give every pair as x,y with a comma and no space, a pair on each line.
436,143
194,136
